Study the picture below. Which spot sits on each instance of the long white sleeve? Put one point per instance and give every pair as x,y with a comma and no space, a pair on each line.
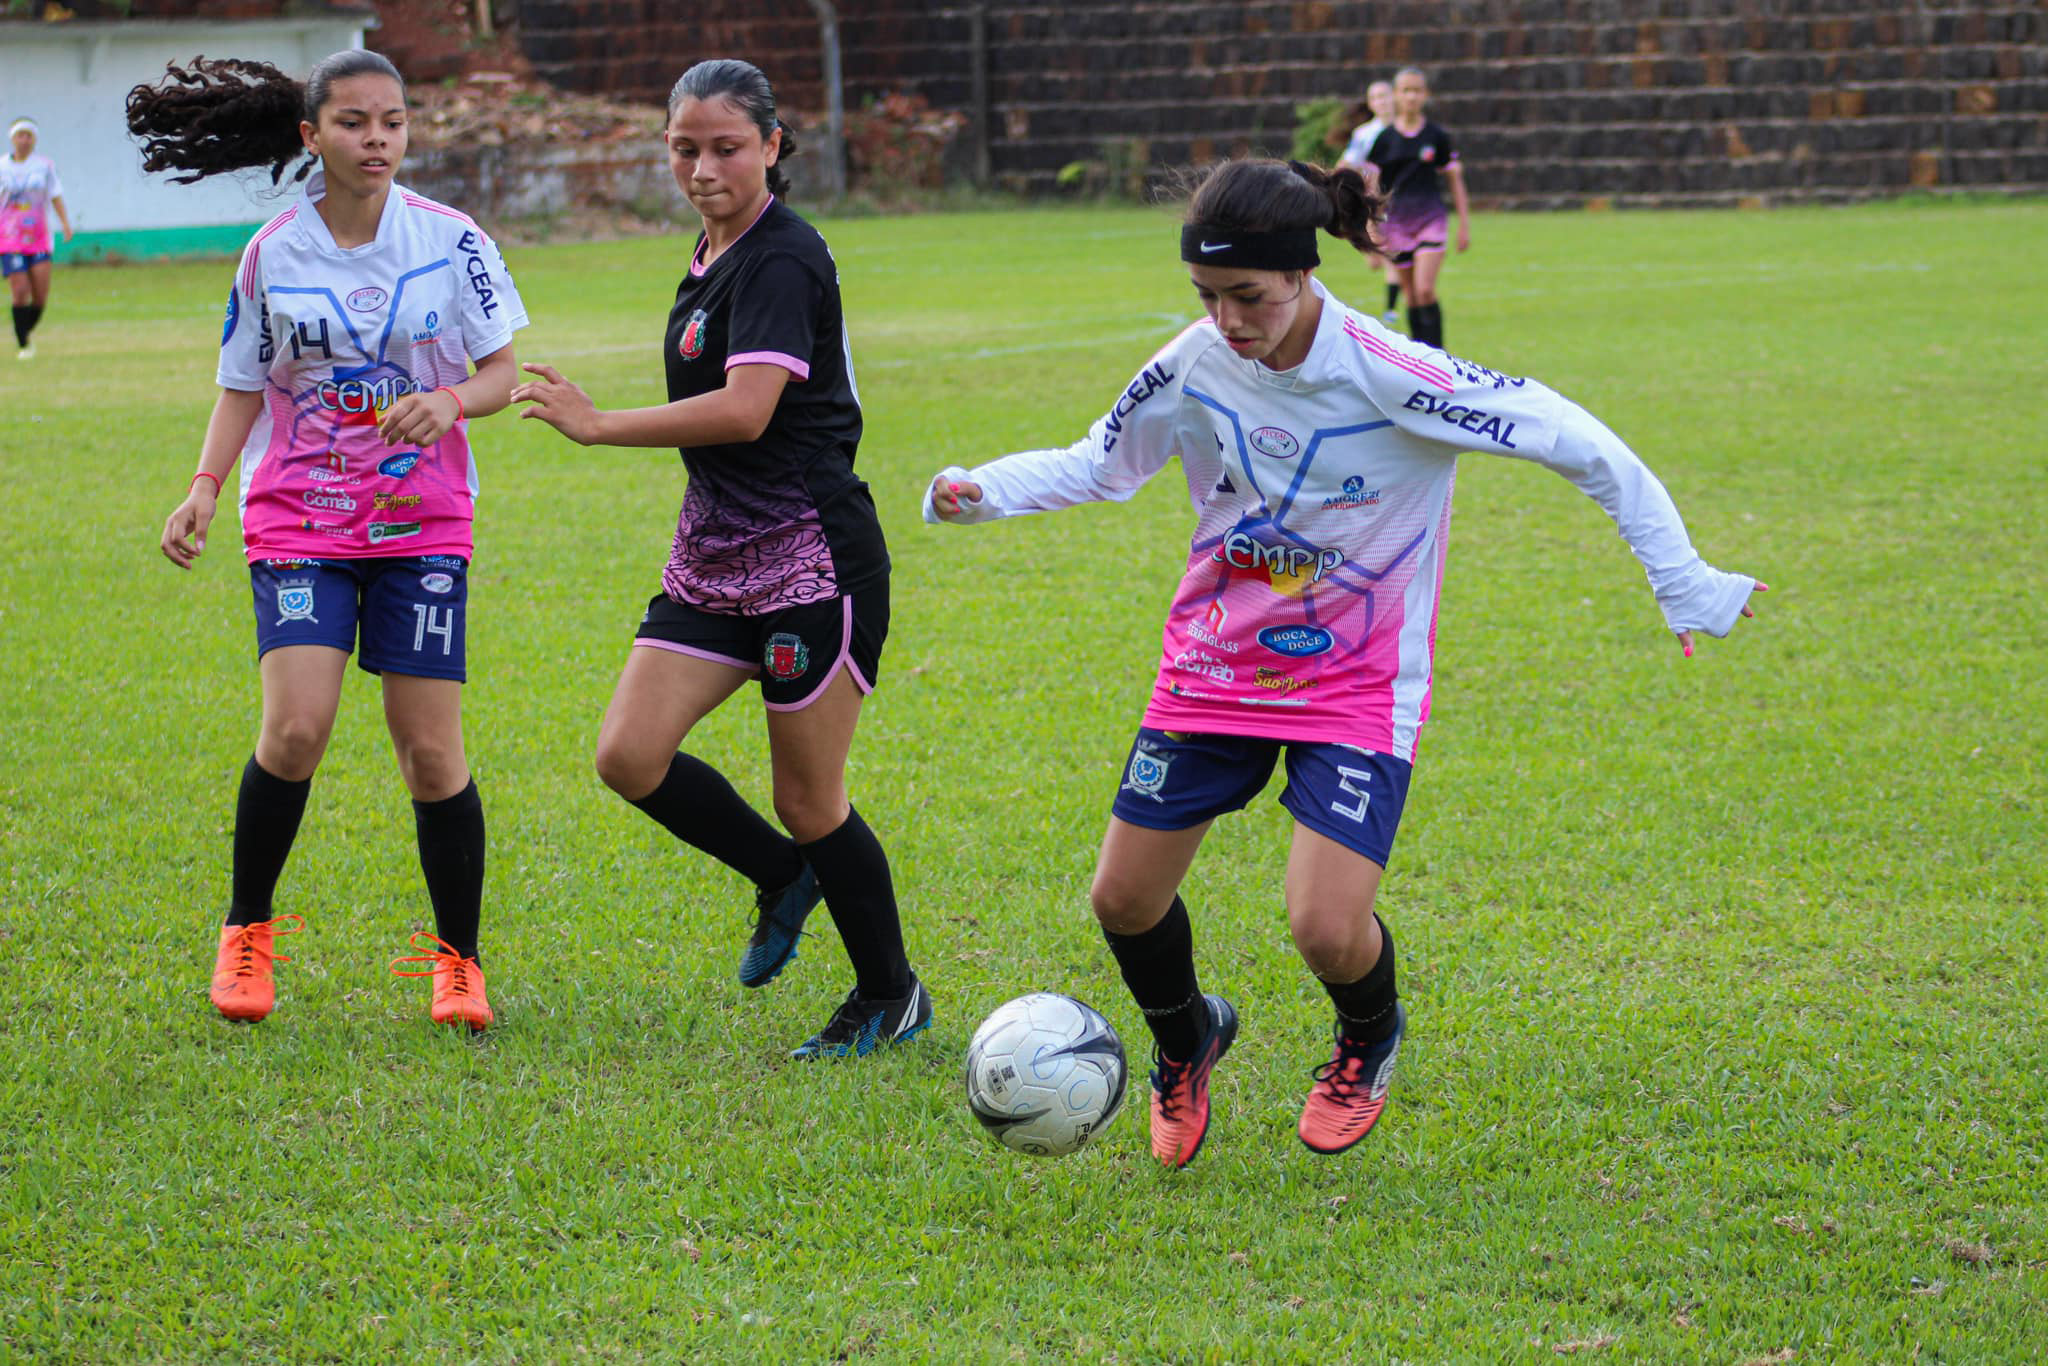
1693,595
1127,445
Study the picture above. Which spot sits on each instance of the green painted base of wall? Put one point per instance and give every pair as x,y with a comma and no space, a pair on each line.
157,244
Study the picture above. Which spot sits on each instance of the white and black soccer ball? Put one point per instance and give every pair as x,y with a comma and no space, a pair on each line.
1045,1073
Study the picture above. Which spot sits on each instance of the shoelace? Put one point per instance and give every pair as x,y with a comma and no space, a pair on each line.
1338,1076
458,967
246,949
1167,1077
848,1021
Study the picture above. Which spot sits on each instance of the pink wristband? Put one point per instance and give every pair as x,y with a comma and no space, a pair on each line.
459,413
202,474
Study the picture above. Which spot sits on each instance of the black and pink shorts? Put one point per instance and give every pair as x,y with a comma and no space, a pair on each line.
795,651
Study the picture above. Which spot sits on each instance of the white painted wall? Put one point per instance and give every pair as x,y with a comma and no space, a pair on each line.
73,80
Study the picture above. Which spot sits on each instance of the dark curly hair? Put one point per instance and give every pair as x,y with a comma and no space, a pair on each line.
745,88
222,114
1260,195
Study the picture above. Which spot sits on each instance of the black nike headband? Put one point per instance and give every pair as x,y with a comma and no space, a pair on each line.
1205,244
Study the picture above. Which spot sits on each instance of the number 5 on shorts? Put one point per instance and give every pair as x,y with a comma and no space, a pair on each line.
1344,777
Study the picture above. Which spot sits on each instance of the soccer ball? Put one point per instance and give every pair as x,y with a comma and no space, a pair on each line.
1045,1073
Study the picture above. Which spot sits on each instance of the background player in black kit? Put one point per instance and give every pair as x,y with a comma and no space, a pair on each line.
1407,157
778,569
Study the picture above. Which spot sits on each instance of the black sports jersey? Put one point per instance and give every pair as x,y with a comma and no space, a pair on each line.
1408,169
772,523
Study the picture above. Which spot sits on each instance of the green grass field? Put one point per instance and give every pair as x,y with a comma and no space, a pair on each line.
1726,975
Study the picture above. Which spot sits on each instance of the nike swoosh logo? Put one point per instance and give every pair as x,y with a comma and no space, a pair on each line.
1215,246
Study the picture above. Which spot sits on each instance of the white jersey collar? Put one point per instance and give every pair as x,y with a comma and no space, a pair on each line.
322,240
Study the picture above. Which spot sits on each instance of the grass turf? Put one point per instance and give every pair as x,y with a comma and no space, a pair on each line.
1724,974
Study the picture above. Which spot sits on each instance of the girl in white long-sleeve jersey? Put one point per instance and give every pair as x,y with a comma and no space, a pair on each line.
1320,451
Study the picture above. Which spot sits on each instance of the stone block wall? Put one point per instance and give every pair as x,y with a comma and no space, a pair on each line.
1554,102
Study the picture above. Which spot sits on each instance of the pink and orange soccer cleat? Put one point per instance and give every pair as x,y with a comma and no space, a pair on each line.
458,982
1351,1090
1180,1090
243,988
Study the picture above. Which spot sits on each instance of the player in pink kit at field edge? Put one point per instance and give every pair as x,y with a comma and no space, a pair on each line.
346,393
29,193
1320,450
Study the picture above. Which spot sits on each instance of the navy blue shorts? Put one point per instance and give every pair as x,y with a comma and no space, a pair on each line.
1175,781
795,652
14,262
410,610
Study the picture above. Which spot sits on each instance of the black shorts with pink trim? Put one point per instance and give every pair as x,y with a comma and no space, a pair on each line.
796,651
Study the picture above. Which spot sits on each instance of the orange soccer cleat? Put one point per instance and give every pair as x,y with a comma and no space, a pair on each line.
1351,1090
242,985
458,982
1180,1090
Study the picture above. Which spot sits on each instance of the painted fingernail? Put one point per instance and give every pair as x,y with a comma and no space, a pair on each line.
1688,652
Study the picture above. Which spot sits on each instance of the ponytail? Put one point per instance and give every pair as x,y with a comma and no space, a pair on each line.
223,114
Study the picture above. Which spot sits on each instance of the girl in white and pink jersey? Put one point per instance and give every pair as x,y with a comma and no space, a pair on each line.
29,193
1319,450
346,393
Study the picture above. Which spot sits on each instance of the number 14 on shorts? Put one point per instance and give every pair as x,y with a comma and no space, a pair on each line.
431,620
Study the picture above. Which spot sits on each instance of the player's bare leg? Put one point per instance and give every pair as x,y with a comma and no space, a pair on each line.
1136,899
301,691
1330,894
424,716
808,746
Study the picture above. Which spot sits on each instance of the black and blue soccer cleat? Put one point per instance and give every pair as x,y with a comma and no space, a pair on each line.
863,1024
773,942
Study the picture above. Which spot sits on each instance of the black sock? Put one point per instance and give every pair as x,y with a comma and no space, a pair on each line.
1365,1008
699,807
35,315
1159,968
451,836
853,873
1393,297
21,324
1426,323
267,813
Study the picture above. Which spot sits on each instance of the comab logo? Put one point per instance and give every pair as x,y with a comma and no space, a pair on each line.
691,344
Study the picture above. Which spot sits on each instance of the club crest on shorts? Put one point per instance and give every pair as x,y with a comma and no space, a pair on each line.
295,602
786,656
1147,773
691,344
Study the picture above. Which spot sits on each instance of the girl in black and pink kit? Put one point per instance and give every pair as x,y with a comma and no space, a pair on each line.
1407,157
778,570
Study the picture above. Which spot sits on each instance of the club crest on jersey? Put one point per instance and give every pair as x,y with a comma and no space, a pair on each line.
295,601
1276,442
368,299
1428,152
227,328
1147,773
786,656
691,344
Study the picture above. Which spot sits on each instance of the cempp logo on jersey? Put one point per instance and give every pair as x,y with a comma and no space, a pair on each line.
295,601
368,299
1276,442
786,656
691,344
363,403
